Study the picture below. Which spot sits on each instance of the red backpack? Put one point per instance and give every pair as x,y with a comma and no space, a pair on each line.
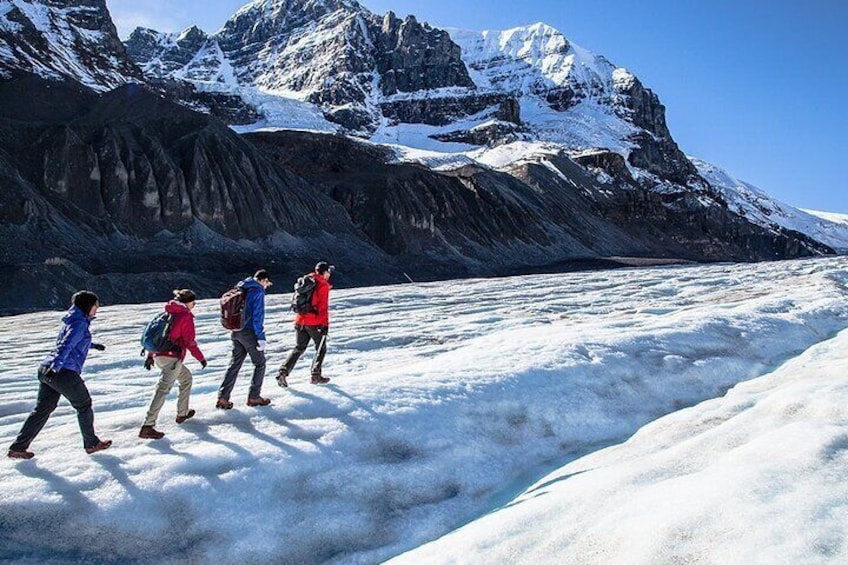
232,309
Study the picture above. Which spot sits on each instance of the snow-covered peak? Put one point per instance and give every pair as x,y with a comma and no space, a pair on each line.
58,39
191,33
752,202
166,54
529,59
286,13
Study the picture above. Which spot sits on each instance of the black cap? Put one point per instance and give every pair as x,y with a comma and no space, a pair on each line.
84,300
261,275
322,267
184,295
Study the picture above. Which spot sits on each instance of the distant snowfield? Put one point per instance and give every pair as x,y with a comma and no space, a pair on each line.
483,405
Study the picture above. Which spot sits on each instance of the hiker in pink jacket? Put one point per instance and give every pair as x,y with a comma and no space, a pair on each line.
182,336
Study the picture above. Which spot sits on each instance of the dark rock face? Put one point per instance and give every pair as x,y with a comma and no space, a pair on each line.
229,108
128,182
478,221
657,153
81,43
440,111
495,133
469,221
411,57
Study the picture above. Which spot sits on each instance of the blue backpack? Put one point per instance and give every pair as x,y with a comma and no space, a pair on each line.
154,338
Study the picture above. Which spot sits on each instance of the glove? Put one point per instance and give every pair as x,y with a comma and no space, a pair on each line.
203,364
98,346
261,345
148,363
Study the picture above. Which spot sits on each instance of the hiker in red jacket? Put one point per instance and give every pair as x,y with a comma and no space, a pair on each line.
313,325
182,336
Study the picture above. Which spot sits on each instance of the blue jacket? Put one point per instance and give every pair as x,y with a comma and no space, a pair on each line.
254,310
73,343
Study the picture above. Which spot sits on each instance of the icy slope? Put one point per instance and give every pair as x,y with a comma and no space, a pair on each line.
757,476
447,399
749,201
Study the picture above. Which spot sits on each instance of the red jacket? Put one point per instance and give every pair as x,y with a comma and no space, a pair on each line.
320,303
182,332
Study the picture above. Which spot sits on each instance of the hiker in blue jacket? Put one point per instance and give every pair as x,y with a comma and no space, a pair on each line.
59,375
249,341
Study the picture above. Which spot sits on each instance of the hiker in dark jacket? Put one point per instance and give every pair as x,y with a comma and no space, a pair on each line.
314,325
59,375
182,336
249,341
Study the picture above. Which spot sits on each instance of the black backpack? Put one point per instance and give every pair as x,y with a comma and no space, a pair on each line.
301,300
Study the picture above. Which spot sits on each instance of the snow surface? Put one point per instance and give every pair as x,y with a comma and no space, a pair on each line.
831,216
448,401
760,208
757,476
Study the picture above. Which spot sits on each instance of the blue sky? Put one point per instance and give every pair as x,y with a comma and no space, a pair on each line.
758,87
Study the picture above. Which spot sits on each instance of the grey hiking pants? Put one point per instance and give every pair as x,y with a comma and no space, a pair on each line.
172,370
303,334
244,344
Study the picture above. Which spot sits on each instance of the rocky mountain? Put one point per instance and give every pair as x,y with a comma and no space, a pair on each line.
758,207
64,38
432,153
400,81
125,188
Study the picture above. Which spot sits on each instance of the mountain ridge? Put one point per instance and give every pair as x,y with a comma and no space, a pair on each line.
569,163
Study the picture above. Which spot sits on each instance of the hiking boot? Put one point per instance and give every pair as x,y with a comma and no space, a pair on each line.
281,379
224,404
319,380
20,454
149,432
100,446
189,414
258,401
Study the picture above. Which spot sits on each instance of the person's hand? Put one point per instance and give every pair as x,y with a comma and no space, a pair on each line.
98,346
148,363
48,373
203,363
261,345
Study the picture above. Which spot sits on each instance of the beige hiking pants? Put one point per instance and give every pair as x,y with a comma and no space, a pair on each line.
172,370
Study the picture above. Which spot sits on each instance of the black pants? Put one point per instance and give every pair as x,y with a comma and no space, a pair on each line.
64,383
303,334
244,343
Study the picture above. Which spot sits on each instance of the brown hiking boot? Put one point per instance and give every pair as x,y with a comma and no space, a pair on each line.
224,404
258,401
281,379
149,432
319,380
20,454
99,447
189,414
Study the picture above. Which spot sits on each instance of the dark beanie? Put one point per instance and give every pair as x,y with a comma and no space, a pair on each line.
84,300
261,275
185,295
322,267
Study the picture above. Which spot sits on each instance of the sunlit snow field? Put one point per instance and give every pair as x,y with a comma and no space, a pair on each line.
482,404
